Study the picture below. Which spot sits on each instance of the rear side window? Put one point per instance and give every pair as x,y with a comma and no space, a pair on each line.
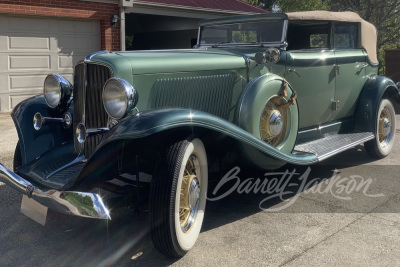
319,40
345,36
308,35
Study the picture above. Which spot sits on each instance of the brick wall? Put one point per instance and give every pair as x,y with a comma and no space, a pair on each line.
392,62
110,36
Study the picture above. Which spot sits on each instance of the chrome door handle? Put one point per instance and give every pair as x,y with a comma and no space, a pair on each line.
337,69
292,70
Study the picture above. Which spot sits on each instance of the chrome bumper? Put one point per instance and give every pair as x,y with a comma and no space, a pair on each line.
82,204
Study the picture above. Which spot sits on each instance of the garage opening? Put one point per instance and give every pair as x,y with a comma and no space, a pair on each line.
151,32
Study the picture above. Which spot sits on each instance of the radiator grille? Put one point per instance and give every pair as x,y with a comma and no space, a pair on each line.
79,98
212,94
88,105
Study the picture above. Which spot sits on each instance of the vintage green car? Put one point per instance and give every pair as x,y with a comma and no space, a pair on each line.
147,126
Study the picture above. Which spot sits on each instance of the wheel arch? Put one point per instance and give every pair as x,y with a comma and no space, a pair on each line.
157,127
375,89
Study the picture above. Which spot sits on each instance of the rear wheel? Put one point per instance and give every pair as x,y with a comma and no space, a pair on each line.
383,142
178,197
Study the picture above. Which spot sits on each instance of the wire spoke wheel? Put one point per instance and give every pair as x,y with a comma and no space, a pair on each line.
384,127
178,197
274,123
190,194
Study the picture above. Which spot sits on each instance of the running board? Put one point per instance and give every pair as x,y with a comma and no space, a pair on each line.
331,145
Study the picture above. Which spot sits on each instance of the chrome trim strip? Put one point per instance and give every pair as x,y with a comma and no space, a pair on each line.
320,127
284,31
89,57
68,202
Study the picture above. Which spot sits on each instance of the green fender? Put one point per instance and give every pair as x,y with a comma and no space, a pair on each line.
35,143
376,88
162,120
251,105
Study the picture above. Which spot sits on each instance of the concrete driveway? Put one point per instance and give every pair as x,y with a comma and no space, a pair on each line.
352,222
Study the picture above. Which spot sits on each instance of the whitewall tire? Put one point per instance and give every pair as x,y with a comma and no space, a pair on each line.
178,197
383,142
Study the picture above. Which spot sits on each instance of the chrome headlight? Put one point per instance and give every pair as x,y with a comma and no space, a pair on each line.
119,98
56,90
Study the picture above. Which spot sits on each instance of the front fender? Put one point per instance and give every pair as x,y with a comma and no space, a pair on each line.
371,95
162,120
35,143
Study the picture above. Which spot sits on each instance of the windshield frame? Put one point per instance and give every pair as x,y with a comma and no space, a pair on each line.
281,43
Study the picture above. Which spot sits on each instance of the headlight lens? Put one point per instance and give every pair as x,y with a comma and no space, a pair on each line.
56,89
119,98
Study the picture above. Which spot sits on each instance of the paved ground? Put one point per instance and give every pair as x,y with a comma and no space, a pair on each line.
319,228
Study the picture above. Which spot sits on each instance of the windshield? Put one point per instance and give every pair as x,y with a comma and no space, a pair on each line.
242,33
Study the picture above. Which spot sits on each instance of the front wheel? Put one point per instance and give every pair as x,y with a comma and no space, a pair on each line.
383,142
178,197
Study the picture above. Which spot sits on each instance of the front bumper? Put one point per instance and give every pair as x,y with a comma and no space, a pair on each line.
81,204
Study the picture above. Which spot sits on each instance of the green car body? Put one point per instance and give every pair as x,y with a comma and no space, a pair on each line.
268,102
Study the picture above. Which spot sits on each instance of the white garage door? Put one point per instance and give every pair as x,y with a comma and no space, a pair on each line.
32,47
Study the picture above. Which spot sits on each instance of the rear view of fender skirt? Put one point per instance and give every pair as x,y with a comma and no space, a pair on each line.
81,204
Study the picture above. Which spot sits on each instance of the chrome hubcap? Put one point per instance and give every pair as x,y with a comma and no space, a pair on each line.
385,127
190,195
275,123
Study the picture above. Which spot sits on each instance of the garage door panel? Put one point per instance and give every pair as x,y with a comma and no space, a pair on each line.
85,27
33,47
18,82
68,44
31,43
20,24
66,27
29,62
4,23
16,99
65,62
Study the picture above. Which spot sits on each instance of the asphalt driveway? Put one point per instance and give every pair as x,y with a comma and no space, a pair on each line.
347,217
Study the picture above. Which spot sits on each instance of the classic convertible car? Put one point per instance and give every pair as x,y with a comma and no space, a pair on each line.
149,125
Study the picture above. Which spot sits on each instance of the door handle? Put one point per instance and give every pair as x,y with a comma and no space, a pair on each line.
292,70
337,69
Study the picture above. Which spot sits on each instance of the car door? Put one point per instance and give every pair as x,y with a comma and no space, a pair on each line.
351,61
310,71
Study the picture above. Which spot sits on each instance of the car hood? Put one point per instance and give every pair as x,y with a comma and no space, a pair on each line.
173,61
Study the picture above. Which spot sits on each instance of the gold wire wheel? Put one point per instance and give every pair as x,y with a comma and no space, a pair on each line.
190,194
384,129
274,122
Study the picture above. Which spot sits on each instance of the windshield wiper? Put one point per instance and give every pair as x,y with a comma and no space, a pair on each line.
248,43
219,43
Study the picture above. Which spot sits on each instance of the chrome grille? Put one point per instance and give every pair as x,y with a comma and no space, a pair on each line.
88,105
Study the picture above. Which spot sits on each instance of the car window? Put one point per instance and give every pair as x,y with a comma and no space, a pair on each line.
243,33
345,36
308,35
319,40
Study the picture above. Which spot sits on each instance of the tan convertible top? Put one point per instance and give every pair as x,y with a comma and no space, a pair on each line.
368,31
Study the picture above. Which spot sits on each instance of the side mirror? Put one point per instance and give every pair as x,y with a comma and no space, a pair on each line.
398,85
272,55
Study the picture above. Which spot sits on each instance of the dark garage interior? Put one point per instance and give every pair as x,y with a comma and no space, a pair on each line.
145,32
